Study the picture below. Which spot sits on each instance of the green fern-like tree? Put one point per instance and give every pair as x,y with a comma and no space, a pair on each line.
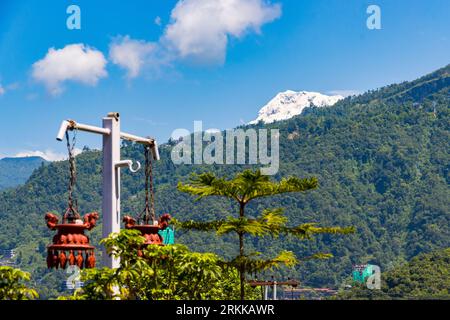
243,188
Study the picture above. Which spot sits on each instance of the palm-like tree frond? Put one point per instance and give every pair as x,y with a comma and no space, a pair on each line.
207,184
319,255
252,265
307,230
244,186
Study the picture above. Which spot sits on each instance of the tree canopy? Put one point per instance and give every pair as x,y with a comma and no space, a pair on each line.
244,187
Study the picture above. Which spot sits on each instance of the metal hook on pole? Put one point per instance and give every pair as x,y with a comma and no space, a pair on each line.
137,167
129,164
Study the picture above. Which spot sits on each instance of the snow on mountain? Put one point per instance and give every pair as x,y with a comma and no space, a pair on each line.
290,103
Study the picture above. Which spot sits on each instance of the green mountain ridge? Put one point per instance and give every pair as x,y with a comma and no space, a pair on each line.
426,276
16,171
381,159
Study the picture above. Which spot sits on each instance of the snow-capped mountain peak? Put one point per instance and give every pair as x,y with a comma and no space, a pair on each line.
290,103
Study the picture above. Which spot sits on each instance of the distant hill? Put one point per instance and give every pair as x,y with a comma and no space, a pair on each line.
381,159
426,276
16,171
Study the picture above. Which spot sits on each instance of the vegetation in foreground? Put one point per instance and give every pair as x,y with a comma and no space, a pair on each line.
244,188
381,159
158,273
13,285
173,272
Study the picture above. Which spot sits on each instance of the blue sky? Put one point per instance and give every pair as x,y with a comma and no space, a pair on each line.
190,64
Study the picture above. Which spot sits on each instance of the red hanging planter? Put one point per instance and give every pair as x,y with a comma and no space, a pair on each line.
149,231
70,244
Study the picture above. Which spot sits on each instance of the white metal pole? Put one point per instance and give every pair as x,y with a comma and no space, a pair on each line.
62,130
266,292
111,182
91,129
132,137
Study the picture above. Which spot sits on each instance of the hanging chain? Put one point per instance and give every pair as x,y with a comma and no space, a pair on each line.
72,212
152,191
149,210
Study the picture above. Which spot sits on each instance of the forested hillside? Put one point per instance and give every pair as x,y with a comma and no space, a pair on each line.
381,159
15,171
426,276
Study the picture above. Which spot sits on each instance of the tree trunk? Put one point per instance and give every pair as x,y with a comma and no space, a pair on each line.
241,255
241,267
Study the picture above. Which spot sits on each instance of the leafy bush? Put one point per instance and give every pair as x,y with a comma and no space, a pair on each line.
158,273
12,285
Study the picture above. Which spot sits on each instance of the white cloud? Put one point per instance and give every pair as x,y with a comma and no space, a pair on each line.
200,29
49,155
9,87
75,62
131,54
13,86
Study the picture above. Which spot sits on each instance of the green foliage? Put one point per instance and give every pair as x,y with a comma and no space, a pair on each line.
272,222
381,159
251,265
243,188
426,276
359,291
161,272
13,287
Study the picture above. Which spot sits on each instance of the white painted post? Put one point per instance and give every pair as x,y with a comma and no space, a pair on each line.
266,292
111,184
